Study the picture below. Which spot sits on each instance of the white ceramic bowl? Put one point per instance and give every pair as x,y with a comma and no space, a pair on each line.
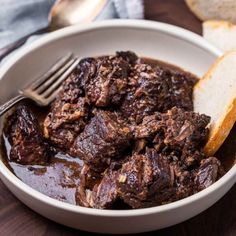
150,39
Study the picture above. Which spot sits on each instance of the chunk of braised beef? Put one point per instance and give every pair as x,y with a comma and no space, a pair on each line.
178,88
146,180
209,171
27,143
99,190
65,121
104,79
178,131
185,133
143,93
103,139
185,129
153,90
105,194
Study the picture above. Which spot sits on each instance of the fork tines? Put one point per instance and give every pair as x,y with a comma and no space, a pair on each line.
44,89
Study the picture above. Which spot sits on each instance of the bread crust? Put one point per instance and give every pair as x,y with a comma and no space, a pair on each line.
218,135
214,24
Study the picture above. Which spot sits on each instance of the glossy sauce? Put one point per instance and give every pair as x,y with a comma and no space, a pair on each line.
61,177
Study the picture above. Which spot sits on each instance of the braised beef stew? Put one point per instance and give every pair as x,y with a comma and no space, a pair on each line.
121,134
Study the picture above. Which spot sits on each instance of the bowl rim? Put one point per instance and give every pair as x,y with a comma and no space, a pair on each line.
137,24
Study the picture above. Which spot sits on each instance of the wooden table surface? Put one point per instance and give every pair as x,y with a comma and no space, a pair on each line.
220,219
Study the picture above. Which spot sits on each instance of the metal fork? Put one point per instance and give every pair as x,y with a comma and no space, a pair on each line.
44,89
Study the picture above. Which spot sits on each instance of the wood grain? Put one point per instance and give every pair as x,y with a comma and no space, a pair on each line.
220,219
173,12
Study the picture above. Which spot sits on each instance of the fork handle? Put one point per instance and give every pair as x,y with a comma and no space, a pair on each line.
6,106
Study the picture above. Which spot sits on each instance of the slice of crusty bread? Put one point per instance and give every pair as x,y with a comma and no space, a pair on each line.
213,9
215,95
222,34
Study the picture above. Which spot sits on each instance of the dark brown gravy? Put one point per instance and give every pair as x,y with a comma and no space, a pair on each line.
60,178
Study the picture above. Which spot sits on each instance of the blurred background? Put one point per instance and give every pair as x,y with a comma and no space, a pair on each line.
20,19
